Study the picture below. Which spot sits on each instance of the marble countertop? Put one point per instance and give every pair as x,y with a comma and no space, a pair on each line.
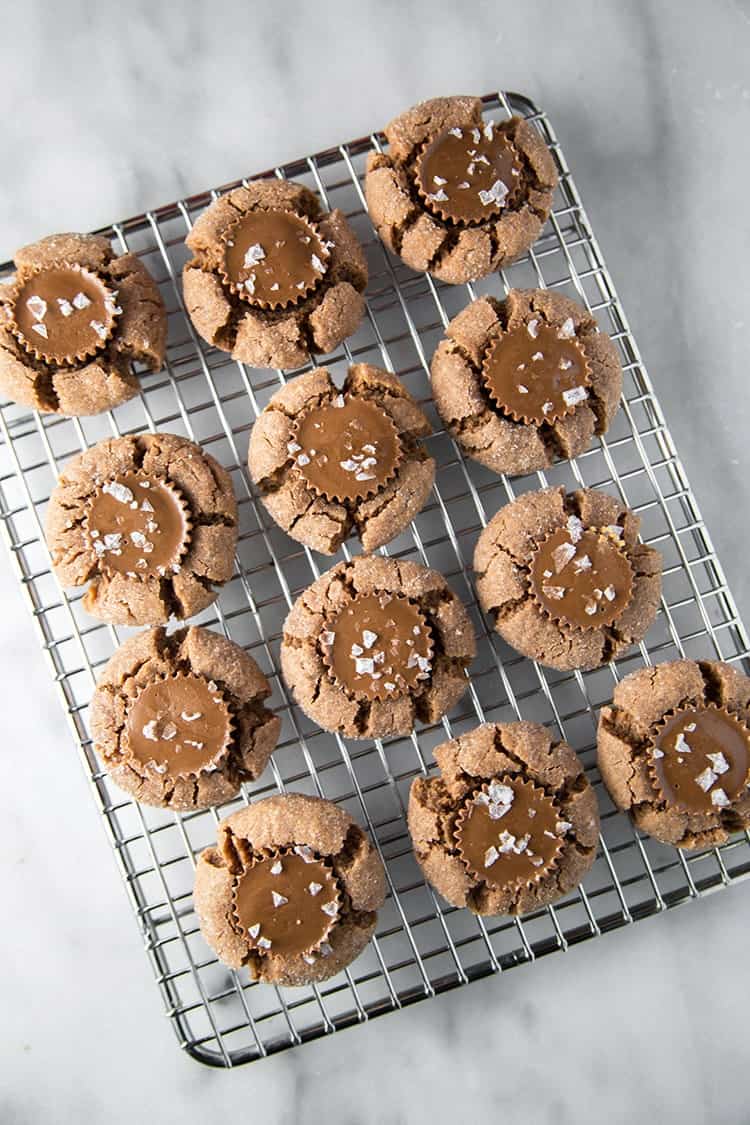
109,110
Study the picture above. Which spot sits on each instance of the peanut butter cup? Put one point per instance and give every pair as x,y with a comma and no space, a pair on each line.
180,726
274,259
287,901
510,832
565,578
700,758
674,751
508,824
346,449
379,647
291,890
62,314
330,462
179,719
375,645
537,373
138,526
73,320
467,174
456,195
582,577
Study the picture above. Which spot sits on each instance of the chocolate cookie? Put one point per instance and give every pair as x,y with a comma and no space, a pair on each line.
521,381
458,196
565,579
72,323
376,644
274,278
291,891
179,720
149,522
509,825
330,462
674,751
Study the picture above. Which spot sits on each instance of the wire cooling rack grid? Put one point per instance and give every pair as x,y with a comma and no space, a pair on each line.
422,946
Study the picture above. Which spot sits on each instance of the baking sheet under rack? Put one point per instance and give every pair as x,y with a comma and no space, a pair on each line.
422,946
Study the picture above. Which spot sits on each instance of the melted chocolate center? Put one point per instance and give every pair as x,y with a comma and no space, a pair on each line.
64,314
379,647
287,903
584,579
510,832
700,759
537,373
178,727
468,174
274,258
137,526
346,449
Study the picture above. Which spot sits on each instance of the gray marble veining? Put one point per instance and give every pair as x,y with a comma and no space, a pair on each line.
108,110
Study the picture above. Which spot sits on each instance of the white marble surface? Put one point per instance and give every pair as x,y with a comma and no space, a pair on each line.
109,109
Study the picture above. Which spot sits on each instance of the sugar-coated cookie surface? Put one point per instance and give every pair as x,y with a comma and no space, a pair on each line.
523,381
332,462
509,824
291,890
179,719
72,320
273,277
148,523
565,579
456,195
674,751
375,645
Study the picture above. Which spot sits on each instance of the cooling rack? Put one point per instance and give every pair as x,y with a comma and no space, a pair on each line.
422,946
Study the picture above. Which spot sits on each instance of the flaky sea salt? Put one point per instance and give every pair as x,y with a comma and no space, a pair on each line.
117,491
575,395
495,194
719,764
705,779
37,306
562,555
556,593
253,255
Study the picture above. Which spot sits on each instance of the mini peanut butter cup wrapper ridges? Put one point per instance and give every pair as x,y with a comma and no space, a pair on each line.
137,525
346,449
286,902
537,372
581,577
180,726
63,313
510,833
699,759
379,647
467,174
273,259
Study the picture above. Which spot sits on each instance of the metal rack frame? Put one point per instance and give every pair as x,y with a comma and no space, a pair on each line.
422,946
